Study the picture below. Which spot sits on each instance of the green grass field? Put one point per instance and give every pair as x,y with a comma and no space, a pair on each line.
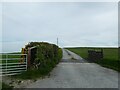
4,56
110,59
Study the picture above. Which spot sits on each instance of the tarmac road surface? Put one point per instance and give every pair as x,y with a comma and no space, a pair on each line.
75,72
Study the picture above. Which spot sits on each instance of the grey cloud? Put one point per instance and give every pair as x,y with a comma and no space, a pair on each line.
76,24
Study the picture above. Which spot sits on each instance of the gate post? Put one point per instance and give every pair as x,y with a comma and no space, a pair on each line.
28,57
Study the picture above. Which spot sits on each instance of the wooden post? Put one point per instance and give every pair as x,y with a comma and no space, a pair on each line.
28,57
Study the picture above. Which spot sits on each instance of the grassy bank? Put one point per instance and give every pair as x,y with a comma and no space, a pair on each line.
110,59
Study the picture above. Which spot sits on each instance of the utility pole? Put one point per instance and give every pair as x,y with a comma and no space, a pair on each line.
57,41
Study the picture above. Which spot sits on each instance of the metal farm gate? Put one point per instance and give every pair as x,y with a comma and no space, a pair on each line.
11,64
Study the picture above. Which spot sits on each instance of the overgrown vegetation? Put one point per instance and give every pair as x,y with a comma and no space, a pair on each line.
47,57
6,87
110,58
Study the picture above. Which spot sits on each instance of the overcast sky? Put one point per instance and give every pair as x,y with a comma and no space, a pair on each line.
75,24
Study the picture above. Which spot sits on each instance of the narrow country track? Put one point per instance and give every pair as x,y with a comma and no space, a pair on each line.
75,72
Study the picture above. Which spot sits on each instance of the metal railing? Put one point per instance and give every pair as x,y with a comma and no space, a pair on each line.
11,64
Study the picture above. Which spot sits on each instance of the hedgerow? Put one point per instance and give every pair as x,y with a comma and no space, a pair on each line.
47,57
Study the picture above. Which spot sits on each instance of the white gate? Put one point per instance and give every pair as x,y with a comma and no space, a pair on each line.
11,64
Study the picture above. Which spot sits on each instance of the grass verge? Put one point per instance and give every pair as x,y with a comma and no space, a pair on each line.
110,59
6,87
